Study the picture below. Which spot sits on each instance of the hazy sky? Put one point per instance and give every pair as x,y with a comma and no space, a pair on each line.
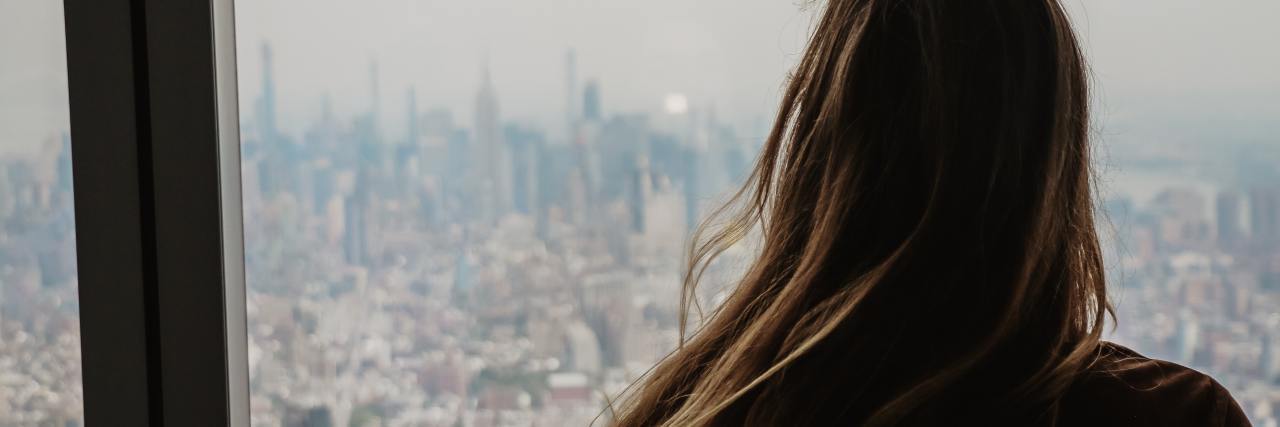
729,53
33,74
1166,69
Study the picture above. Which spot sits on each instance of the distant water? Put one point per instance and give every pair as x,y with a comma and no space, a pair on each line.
1141,184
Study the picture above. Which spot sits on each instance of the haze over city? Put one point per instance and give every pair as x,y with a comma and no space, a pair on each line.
1164,69
473,212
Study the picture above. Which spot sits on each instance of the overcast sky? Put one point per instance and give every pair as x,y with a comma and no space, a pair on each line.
1178,64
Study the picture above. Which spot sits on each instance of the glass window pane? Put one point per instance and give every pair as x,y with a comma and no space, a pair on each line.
39,323
1186,129
473,213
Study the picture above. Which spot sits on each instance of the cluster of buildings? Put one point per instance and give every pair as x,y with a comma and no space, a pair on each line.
39,326
493,275
488,275
1196,280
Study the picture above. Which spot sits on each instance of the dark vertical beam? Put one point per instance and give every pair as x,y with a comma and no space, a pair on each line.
156,162
108,122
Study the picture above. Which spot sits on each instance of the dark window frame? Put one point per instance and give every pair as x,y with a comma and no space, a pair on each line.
159,226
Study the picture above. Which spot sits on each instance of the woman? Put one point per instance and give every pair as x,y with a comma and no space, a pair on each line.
929,254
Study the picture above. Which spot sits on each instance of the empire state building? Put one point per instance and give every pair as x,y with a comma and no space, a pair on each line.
489,169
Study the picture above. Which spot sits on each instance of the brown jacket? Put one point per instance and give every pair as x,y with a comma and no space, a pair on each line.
1127,389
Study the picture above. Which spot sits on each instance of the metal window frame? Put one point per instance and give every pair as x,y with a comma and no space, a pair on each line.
159,226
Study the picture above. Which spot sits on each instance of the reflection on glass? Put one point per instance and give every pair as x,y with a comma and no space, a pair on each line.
39,323
473,213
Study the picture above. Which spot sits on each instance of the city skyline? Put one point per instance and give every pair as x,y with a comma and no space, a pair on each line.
1171,249
1159,76
367,256
450,223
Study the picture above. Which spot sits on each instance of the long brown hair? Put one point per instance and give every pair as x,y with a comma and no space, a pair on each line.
925,210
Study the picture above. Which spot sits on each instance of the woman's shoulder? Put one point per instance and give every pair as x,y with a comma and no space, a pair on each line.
1126,388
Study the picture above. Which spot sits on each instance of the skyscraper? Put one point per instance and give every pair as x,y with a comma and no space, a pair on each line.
355,238
523,146
489,173
591,102
641,185
408,154
1229,220
577,194
1264,213
266,113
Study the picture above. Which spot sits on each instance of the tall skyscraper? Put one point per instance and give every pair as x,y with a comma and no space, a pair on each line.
1264,213
577,194
523,146
591,102
355,238
641,185
266,113
407,153
63,180
1229,219
490,173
